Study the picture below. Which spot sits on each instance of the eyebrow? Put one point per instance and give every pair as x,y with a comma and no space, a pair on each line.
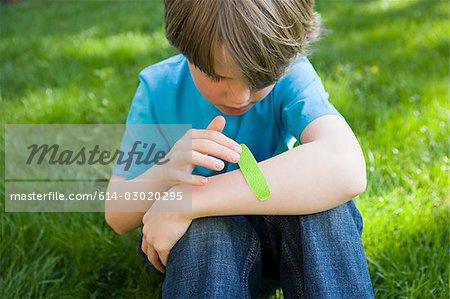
224,77
254,88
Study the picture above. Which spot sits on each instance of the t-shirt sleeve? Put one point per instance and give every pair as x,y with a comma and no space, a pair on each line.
303,98
142,134
141,107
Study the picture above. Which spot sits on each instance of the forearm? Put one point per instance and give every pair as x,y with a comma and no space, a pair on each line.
307,179
124,215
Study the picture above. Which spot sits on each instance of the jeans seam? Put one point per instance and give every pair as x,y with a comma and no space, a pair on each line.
298,287
361,222
249,263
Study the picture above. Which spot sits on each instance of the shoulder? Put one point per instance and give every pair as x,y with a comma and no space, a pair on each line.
301,79
156,90
300,73
165,72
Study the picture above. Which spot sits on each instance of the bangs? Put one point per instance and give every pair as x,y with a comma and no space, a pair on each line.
262,37
195,31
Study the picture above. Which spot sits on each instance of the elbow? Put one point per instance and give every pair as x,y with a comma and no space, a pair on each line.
360,185
357,182
354,165
114,219
352,175
113,222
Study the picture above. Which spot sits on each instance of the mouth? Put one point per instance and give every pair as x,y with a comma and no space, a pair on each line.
236,110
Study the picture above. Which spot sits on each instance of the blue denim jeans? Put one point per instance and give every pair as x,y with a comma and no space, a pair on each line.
310,256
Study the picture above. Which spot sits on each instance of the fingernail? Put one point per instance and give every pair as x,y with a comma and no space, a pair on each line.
219,165
237,148
236,157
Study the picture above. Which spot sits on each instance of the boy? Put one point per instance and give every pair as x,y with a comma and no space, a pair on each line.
242,65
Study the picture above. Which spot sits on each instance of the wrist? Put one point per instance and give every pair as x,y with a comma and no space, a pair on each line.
198,206
160,175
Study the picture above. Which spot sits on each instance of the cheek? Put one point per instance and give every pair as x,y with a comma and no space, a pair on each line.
212,91
257,96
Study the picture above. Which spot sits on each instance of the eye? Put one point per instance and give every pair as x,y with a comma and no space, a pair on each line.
262,85
215,78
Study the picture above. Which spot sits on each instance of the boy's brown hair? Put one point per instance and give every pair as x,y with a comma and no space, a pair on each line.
262,36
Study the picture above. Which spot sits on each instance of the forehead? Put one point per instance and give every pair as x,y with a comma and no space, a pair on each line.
224,65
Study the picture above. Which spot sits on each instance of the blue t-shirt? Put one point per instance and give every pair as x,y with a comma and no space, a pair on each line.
167,95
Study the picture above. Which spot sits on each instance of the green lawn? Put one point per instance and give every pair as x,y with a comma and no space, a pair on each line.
385,65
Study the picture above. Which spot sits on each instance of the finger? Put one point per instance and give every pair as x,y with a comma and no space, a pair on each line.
194,180
193,158
216,137
144,246
146,215
206,161
217,124
163,255
198,180
153,257
206,146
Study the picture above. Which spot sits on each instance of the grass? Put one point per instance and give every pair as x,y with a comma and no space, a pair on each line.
385,65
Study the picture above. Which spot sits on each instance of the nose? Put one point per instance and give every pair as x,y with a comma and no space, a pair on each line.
240,94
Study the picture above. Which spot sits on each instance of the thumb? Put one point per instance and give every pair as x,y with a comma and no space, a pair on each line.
217,124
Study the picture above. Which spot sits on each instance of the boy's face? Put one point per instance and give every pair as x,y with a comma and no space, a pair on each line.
231,95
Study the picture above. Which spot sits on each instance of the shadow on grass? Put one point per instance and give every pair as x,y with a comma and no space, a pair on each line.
373,14
379,61
95,68
40,19
47,44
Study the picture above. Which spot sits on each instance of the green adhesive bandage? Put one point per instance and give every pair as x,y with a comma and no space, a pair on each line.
253,174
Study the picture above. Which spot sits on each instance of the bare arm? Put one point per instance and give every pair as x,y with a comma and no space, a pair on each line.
195,148
325,171
122,221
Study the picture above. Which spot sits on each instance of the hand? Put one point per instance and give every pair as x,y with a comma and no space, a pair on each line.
162,230
199,148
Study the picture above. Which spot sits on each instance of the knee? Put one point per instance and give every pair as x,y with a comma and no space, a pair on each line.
339,218
213,237
215,251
